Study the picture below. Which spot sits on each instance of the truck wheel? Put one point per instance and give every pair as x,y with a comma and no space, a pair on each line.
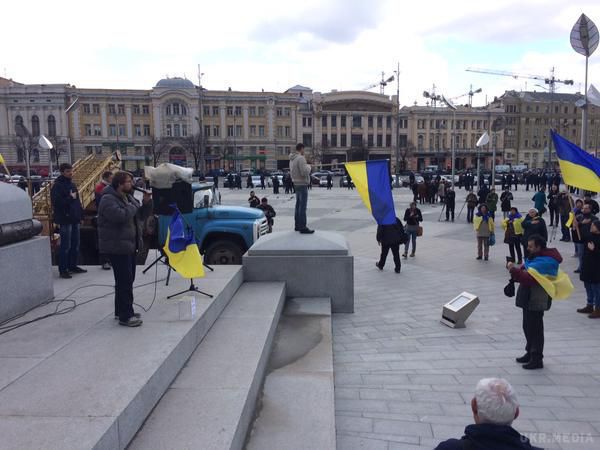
223,252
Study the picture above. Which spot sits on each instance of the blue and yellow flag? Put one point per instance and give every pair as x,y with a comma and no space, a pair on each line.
372,181
578,167
182,250
545,270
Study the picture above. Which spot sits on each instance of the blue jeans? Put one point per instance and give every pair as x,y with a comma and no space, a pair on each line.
301,202
412,232
593,293
69,247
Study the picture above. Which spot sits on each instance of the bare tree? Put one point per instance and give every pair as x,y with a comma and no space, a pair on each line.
26,145
406,152
158,146
193,144
59,147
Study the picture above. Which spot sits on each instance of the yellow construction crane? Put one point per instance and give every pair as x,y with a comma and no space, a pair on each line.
550,81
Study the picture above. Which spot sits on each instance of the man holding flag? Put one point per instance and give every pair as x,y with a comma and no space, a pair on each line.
540,281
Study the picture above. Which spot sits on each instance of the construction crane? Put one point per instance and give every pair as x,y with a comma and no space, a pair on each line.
382,84
471,93
550,81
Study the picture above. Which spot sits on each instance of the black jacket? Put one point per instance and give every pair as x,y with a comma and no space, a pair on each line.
414,220
390,234
66,209
590,264
486,436
120,221
529,228
505,199
450,198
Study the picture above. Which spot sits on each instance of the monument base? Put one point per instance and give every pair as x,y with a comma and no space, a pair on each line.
312,265
25,276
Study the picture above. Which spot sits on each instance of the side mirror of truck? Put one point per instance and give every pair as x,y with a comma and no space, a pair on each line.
206,201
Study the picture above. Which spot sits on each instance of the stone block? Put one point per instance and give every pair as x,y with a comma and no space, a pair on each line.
26,274
15,204
306,264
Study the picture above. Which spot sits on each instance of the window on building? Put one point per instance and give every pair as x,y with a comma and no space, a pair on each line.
184,132
379,122
343,121
279,112
230,110
356,140
388,121
238,110
122,130
97,130
287,112
137,130
89,149
370,121
343,140
388,140
420,140
51,125
261,110
86,108
356,121
306,121
307,139
169,131
206,131
206,110
88,129
146,130
380,140
136,109
215,110
230,130
288,132
216,131
333,121
96,108
35,125
324,120
261,130
145,109
238,130
334,141
112,129
252,130
121,109
112,109
370,141
176,130
324,142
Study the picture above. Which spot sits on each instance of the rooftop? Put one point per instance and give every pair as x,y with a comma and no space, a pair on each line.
175,83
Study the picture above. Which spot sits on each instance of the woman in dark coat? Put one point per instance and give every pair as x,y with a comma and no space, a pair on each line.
412,217
533,224
389,237
590,271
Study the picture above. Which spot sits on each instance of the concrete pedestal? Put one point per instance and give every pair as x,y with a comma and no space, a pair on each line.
25,276
312,265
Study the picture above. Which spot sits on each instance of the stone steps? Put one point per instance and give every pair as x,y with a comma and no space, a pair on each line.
87,383
297,406
212,402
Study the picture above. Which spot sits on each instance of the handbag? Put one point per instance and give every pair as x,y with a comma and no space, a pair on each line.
509,289
492,240
419,231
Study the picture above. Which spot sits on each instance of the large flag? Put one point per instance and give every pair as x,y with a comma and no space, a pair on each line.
545,270
578,167
372,180
1,159
182,250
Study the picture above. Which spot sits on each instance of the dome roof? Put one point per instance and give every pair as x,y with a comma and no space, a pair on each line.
175,83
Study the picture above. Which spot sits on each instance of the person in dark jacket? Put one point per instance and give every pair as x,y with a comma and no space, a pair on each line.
450,200
253,201
533,300
590,271
582,222
471,201
120,220
505,202
553,204
249,184
269,212
412,217
533,224
495,407
563,202
67,212
99,189
275,184
539,200
482,194
389,237
588,200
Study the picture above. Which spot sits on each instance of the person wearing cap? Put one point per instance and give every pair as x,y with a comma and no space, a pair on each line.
533,224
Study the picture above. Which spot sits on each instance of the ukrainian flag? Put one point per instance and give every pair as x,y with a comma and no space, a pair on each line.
372,181
182,250
578,167
545,270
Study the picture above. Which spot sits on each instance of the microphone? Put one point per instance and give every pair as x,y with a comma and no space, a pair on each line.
144,191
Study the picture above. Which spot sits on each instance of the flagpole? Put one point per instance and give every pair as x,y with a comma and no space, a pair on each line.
584,127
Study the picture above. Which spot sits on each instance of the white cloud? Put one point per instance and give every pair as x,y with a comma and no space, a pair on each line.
273,45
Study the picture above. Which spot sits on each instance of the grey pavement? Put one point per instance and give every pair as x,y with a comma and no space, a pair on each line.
402,379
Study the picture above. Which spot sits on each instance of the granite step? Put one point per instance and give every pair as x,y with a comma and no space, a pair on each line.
212,402
297,406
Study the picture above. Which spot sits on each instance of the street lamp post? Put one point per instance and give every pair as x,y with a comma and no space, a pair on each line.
397,72
200,122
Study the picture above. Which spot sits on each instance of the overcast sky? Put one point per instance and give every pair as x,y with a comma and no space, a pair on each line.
275,44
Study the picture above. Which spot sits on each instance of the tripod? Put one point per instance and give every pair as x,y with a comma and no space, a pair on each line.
192,288
163,259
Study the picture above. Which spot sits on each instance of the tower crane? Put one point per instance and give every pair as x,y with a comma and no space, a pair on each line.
471,93
382,84
550,81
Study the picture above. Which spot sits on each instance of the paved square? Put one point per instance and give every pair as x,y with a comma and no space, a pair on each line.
402,379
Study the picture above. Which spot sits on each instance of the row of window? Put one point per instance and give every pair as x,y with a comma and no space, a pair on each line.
356,140
95,130
176,130
35,125
537,109
442,124
357,121
253,111
437,142
113,109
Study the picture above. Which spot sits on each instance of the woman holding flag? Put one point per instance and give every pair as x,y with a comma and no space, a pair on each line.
513,232
483,223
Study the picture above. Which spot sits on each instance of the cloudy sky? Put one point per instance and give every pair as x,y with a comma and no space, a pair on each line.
275,44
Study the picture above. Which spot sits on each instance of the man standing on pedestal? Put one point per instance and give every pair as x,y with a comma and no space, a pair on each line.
300,174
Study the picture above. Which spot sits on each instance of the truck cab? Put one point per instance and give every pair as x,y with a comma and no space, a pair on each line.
223,233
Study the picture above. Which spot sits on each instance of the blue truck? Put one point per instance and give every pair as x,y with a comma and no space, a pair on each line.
224,233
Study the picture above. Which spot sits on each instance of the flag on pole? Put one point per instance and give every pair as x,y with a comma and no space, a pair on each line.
1,159
593,95
372,181
182,250
578,167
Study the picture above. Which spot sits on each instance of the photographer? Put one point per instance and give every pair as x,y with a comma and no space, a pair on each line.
541,265
269,212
